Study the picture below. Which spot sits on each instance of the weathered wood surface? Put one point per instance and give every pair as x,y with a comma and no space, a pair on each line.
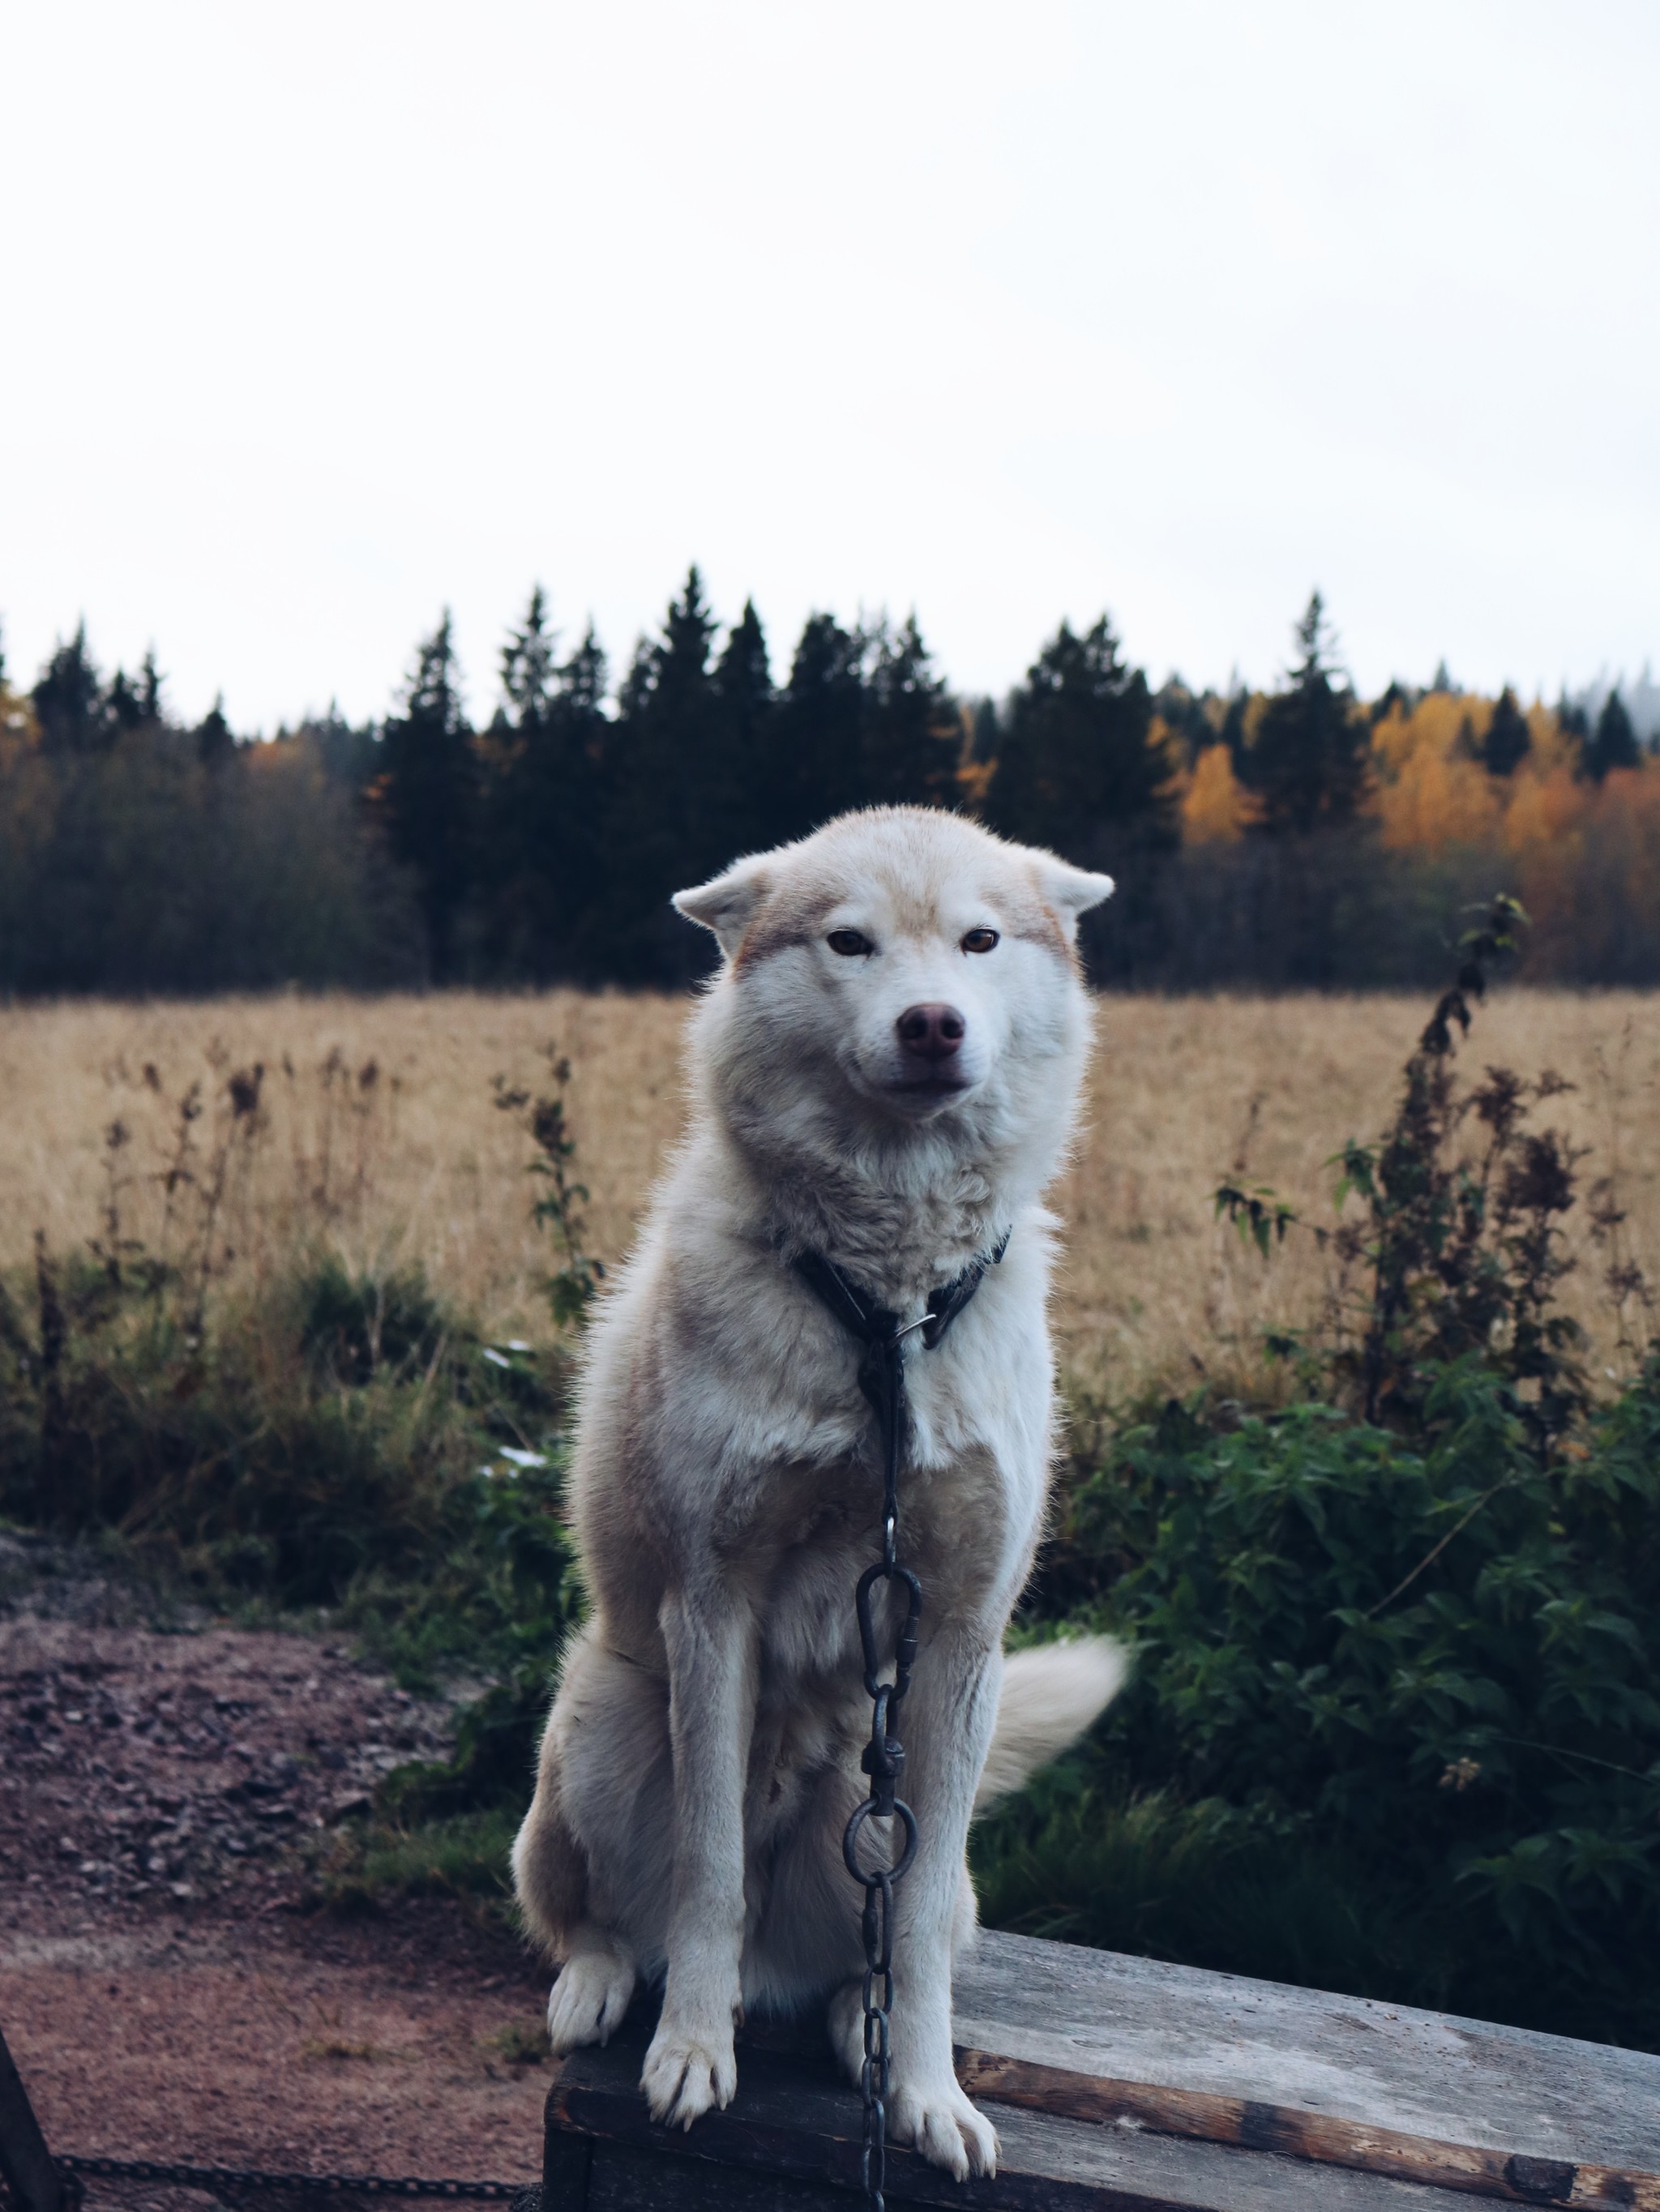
1117,2082
789,2142
1342,2081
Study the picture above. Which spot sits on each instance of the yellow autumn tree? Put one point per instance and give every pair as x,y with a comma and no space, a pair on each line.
1216,808
1583,855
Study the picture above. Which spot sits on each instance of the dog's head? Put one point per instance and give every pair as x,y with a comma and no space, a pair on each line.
902,968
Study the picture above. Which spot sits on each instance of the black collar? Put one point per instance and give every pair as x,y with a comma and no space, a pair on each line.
883,1333
873,1324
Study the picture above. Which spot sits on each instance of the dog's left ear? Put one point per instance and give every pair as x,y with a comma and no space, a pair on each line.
727,904
1070,892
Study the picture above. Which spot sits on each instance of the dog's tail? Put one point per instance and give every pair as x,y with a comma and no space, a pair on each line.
1050,1695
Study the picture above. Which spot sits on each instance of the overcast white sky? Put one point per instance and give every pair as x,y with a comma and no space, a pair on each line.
320,316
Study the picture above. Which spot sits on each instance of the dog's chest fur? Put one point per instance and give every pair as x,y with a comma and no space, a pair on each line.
817,1529
787,1500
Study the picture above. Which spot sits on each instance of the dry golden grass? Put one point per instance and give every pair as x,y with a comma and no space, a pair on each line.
418,1165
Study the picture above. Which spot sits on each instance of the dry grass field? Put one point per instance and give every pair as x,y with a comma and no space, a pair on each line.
415,1164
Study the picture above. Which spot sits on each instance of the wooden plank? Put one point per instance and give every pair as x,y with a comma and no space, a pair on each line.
645,2181
791,2137
567,2165
1346,2081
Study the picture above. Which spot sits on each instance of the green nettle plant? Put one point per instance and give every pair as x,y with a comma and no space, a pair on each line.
1394,1724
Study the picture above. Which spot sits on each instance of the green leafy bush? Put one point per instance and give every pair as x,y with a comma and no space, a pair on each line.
1435,1664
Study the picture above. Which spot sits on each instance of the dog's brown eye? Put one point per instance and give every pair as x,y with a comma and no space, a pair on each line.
980,940
848,943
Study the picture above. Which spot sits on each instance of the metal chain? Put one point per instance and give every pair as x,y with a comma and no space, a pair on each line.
298,2185
882,1379
883,1761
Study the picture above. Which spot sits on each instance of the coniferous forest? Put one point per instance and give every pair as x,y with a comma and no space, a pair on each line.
1300,837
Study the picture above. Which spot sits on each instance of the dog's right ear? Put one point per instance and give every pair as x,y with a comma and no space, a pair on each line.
728,903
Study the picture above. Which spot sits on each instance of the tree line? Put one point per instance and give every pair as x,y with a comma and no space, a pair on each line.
541,845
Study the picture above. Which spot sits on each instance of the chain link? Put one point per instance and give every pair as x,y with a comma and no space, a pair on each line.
184,2176
883,1760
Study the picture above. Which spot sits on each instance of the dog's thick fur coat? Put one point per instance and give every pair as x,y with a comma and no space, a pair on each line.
702,1757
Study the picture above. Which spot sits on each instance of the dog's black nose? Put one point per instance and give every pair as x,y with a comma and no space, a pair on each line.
932,1032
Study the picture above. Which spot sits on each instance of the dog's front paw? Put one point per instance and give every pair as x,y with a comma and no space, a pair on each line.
938,2121
687,2070
590,1997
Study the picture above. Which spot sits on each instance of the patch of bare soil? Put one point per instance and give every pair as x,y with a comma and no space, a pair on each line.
163,1990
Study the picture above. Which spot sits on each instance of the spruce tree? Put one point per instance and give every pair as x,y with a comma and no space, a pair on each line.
821,727
986,735
913,740
428,787
744,804
68,702
527,664
214,745
1079,763
1233,728
123,708
546,754
659,834
150,690
1308,764
1508,740
1572,719
1613,744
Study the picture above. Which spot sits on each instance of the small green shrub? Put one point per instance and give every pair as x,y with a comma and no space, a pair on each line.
332,1439
352,1327
1437,1665
463,1855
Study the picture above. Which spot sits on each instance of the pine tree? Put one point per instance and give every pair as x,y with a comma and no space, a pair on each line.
1395,695
547,752
658,831
1233,729
913,741
214,745
69,701
744,804
581,732
821,728
123,708
986,735
527,664
1308,764
1508,740
1078,761
1572,719
150,690
1613,744
428,787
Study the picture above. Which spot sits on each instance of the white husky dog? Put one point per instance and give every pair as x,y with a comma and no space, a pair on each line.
885,1073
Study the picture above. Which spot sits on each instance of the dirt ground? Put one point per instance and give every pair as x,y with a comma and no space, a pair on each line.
164,1989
